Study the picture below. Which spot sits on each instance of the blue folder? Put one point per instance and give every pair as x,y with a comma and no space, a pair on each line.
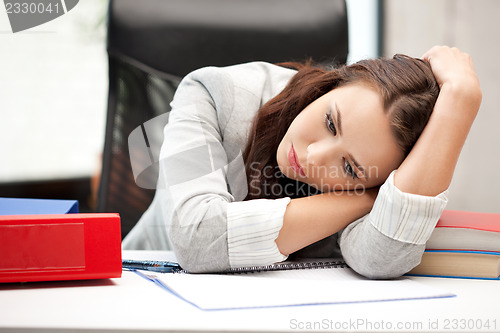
21,206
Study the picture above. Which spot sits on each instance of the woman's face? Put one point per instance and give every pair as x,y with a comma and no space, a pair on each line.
341,141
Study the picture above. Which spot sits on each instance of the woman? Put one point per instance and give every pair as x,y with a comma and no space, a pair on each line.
317,146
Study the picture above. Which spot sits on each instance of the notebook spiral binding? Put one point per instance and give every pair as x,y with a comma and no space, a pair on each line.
284,266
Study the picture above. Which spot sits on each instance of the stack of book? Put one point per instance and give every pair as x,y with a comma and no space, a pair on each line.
463,244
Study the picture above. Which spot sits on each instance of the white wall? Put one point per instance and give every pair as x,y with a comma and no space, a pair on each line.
363,29
53,96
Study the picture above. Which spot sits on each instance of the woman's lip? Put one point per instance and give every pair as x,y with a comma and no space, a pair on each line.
294,162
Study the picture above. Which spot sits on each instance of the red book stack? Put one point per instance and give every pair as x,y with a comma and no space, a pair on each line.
463,244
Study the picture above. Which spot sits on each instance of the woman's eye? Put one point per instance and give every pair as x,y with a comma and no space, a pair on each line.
349,170
329,124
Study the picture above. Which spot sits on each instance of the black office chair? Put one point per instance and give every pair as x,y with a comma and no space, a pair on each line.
152,44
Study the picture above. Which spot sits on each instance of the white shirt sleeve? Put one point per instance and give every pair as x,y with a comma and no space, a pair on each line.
252,228
389,241
406,217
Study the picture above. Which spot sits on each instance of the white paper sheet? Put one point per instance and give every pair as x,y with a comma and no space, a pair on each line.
290,288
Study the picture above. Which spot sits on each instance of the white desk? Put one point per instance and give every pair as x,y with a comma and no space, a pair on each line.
131,303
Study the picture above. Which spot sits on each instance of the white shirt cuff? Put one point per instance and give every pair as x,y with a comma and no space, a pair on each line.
252,228
406,217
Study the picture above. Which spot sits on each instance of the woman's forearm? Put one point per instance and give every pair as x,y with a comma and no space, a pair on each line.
310,219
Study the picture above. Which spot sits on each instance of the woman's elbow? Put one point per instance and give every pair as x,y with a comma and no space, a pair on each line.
387,265
374,271
200,252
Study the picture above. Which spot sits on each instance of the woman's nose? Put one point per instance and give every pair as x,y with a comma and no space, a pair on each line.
321,153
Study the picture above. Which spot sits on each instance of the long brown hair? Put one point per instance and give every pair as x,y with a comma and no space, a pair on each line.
407,86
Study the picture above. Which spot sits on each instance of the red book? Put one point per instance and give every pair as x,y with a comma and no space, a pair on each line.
460,230
59,247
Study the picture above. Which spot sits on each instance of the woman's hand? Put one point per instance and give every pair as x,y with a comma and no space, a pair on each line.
455,73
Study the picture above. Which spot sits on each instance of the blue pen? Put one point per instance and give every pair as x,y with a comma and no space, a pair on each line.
153,266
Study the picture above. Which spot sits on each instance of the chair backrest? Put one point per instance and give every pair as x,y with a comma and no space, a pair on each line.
152,44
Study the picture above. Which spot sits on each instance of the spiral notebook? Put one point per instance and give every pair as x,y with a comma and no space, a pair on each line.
310,282
286,266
